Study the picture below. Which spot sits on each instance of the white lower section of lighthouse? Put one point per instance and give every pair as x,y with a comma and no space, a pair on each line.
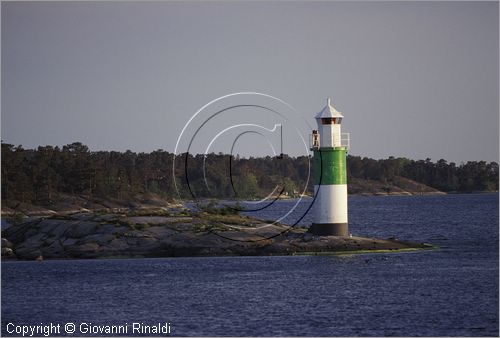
330,206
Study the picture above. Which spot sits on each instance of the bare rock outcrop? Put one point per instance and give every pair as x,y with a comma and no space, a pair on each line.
97,235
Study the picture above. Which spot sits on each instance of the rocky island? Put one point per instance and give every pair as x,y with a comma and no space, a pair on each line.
170,231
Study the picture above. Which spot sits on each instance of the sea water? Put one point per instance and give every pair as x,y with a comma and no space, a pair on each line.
446,292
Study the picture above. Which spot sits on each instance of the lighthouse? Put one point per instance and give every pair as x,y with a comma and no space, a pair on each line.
330,148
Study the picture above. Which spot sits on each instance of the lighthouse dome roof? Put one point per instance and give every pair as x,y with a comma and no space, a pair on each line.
329,111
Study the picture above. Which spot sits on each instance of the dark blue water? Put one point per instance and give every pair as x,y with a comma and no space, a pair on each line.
448,292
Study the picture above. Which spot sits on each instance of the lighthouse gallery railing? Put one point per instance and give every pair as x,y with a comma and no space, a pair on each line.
314,140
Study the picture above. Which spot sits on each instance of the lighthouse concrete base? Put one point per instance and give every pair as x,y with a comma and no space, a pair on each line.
329,229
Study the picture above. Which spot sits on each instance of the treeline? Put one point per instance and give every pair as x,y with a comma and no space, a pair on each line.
448,177
41,175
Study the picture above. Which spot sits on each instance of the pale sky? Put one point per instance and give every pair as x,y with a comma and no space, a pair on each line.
413,79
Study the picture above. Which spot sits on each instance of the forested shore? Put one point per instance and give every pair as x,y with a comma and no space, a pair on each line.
42,175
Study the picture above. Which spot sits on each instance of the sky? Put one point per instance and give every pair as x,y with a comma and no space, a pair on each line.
413,79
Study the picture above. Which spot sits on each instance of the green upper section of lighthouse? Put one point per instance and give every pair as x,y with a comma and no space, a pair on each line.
330,166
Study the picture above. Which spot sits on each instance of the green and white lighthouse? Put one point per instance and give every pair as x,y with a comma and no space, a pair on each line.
330,148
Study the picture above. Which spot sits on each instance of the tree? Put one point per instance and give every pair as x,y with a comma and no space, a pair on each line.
42,175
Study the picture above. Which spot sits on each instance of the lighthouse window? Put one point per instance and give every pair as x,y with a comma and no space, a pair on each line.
326,120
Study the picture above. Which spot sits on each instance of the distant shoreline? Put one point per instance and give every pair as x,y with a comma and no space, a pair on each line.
73,177
113,205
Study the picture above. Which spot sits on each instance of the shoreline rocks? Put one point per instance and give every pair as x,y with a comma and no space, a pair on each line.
171,233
